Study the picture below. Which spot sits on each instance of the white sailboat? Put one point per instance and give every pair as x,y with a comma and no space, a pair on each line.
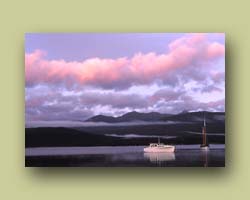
159,148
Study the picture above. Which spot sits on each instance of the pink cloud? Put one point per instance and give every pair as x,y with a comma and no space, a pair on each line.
122,72
215,50
191,40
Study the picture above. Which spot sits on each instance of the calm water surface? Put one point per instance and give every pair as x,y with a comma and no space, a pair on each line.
125,156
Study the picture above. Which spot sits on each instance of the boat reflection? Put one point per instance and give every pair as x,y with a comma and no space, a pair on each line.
205,157
159,157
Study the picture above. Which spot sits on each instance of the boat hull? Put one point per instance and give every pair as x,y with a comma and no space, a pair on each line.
167,149
204,148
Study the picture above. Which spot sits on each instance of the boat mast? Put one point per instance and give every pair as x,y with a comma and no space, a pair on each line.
204,131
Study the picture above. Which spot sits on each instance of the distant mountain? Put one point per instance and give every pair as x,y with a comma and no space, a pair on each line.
130,117
196,117
102,118
155,116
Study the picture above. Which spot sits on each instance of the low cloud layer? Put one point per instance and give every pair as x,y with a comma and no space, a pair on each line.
80,106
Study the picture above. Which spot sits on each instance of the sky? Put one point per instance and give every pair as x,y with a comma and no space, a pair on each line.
76,76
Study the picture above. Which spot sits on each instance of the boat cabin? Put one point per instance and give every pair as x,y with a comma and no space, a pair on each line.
155,144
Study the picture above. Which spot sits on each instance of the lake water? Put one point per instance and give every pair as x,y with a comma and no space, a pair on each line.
124,156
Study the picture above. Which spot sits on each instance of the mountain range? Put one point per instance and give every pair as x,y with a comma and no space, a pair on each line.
157,117
184,128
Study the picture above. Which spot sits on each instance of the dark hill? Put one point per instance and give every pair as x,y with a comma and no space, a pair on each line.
38,137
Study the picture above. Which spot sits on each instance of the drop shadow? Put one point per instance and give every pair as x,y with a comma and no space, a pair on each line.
169,173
